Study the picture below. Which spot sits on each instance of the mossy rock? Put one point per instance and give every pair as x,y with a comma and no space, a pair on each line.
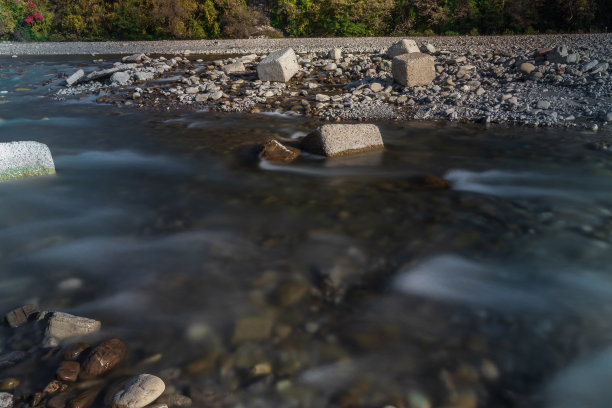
25,159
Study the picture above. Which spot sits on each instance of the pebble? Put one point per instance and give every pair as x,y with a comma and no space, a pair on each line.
6,400
86,398
275,151
609,116
68,371
376,87
74,351
21,315
103,358
139,392
543,105
253,329
322,98
62,326
527,68
174,400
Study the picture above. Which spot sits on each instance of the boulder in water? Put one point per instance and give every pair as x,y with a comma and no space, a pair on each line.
25,159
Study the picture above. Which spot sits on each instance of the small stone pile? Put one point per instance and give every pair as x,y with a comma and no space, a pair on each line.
84,372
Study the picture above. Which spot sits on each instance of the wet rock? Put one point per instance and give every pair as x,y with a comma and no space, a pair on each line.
609,117
105,73
74,78
139,392
335,54
421,182
9,384
140,76
236,67
417,399
291,292
415,69
25,159
11,358
74,351
61,326
103,358
275,151
339,140
21,315
54,387
59,400
86,398
68,371
253,329
279,66
402,47
6,400
174,400
120,78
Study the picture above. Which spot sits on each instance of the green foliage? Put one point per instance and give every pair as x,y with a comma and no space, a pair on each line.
39,20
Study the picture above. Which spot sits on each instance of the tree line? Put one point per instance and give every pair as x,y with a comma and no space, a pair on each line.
61,20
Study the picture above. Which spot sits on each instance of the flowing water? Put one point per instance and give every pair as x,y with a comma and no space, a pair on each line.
495,293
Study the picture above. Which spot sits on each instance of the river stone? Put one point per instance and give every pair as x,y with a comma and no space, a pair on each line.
139,392
6,400
72,79
428,48
601,67
19,316
73,352
527,67
68,371
141,76
174,400
589,65
134,58
279,66
86,398
402,47
253,329
609,117
120,78
543,105
103,358
275,151
25,159
234,68
558,54
59,400
340,140
335,54
415,69
108,72
62,326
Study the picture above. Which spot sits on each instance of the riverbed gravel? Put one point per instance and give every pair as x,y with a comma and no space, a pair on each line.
544,80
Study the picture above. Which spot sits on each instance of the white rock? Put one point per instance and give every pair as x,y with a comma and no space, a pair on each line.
376,87
25,159
330,67
321,98
138,392
335,54
62,326
339,140
414,69
234,68
72,79
120,78
143,76
428,48
402,47
192,90
279,66
6,400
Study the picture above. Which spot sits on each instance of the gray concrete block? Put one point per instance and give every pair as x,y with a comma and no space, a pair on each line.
279,66
414,69
341,140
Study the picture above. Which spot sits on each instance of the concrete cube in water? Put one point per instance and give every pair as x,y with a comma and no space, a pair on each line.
25,159
342,140
402,47
414,69
279,66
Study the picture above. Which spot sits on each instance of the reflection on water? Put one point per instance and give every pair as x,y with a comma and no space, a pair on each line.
493,293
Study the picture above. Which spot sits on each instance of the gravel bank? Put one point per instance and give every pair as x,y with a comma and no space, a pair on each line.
505,79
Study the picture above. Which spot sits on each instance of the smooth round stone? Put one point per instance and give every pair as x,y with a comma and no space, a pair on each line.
103,358
6,400
139,392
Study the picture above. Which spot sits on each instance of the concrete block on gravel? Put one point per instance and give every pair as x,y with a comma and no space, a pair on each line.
279,66
414,69
341,140
402,47
25,159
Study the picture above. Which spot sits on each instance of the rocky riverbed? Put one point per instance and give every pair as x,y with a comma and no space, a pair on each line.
525,80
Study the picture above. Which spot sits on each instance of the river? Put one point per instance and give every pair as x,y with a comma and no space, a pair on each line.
164,227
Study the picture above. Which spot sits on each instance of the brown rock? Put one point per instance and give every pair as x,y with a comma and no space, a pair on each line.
277,152
73,352
9,384
68,371
253,329
54,387
174,400
291,292
59,401
103,358
86,398
19,316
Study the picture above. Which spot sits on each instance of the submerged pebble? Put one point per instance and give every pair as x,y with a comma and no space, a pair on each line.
139,392
103,358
